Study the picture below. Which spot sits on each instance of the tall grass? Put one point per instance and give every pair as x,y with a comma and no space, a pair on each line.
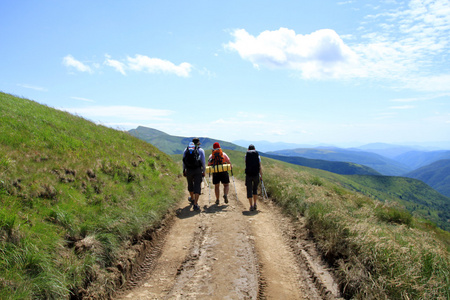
72,195
378,250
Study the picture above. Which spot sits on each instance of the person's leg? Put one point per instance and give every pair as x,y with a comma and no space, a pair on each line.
217,192
248,184
226,188
255,190
197,187
254,201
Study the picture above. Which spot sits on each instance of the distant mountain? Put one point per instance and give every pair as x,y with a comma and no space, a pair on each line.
170,144
266,146
175,145
417,159
381,164
436,175
338,167
389,150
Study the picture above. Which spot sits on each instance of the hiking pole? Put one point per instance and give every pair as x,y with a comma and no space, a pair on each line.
263,188
232,176
209,191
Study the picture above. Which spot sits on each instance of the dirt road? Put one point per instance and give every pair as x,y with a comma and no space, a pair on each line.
227,252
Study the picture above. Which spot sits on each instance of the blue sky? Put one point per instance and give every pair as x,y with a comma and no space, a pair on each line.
336,72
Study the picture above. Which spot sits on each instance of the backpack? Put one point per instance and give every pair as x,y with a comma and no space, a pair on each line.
252,163
217,157
191,157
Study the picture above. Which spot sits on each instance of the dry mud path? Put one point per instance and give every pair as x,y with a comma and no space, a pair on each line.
227,252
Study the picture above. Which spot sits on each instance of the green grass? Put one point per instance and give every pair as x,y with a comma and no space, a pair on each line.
72,195
377,250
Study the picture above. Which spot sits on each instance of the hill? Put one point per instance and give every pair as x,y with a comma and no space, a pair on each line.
417,159
387,150
377,162
175,144
436,175
416,196
79,201
75,200
338,167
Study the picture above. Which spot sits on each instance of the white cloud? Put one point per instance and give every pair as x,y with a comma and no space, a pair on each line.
33,87
119,66
432,83
70,61
405,46
124,113
157,65
138,63
321,54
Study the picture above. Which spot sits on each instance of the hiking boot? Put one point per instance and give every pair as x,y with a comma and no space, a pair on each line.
226,198
191,200
196,207
251,208
217,201
254,207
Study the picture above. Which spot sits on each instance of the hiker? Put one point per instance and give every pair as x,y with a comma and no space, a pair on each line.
218,157
253,172
194,170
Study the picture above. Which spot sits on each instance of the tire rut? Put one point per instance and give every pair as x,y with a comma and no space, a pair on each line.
227,252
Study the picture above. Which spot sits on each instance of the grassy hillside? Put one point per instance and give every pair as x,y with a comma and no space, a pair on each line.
74,196
416,196
383,165
175,144
436,175
377,249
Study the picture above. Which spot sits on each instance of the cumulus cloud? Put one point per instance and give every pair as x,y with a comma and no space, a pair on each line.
138,63
70,61
317,55
405,45
157,65
119,66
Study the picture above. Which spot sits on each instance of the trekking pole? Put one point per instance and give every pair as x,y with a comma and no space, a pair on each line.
232,176
263,188
209,191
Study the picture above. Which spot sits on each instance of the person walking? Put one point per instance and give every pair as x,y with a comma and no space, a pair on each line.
218,157
194,168
253,172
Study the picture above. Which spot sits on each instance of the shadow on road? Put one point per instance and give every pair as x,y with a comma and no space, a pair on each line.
187,212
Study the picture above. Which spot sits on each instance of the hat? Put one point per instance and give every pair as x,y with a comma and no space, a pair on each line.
196,141
216,145
251,147
191,146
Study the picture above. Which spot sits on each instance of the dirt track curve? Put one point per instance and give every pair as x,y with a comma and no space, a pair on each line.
227,252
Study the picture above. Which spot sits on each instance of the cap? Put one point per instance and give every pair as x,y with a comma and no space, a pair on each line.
216,145
251,147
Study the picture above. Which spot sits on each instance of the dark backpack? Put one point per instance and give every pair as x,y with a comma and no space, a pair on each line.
192,159
252,163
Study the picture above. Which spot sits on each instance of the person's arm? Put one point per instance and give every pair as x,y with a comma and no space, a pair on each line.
226,158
